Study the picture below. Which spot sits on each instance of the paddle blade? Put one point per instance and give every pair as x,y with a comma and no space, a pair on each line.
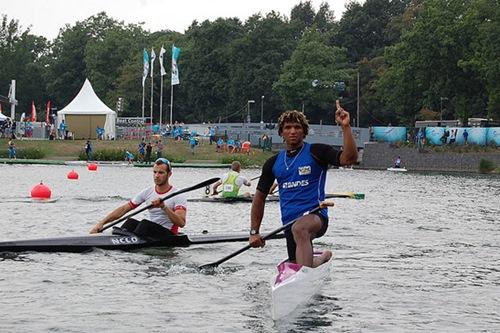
207,267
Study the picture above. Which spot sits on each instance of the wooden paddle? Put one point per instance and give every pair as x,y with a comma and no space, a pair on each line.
214,264
184,190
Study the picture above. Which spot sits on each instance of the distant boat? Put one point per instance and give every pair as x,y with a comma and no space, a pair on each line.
397,169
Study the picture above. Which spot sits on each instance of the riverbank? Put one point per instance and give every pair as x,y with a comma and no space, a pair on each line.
378,155
59,151
374,156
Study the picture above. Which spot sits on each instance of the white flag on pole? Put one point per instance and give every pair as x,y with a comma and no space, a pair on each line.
162,69
153,57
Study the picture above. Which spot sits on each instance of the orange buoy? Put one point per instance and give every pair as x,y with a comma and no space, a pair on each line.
73,175
41,191
92,167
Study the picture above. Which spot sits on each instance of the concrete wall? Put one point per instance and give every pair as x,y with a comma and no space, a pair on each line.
318,133
382,155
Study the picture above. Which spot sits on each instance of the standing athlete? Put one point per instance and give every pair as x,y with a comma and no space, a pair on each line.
300,171
166,216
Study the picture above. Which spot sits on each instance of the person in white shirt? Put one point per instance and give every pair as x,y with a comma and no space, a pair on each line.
166,217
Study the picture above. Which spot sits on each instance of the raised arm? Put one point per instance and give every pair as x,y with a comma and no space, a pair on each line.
349,153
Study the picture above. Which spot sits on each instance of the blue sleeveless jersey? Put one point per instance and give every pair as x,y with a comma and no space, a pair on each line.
301,183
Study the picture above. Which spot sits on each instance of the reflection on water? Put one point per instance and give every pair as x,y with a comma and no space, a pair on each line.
420,253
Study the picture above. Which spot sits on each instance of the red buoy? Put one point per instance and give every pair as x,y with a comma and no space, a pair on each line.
73,175
92,167
41,191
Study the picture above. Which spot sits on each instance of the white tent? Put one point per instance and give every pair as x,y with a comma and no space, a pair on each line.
2,117
85,113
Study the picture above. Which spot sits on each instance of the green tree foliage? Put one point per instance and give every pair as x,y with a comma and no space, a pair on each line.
365,29
428,66
483,53
413,57
206,69
312,60
23,57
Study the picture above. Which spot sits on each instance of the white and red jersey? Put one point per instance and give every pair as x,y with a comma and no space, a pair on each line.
158,215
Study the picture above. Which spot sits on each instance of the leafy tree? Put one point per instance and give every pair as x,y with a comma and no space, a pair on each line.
483,53
312,60
255,61
23,58
365,29
206,68
424,67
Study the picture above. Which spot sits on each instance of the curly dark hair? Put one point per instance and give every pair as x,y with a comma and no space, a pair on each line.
293,116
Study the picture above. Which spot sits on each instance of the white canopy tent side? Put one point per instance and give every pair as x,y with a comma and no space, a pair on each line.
85,113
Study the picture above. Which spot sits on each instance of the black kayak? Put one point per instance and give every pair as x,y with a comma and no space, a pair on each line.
127,241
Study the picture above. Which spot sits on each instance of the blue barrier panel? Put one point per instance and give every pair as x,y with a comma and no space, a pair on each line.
493,136
389,134
433,135
477,135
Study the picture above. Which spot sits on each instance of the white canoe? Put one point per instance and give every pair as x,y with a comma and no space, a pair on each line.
295,285
397,169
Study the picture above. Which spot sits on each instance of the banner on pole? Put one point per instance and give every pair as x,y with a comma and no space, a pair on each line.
153,57
145,59
47,112
162,69
175,70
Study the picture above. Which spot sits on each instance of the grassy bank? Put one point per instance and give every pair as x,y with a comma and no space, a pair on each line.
176,151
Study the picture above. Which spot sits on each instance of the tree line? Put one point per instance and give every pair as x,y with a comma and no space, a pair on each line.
416,60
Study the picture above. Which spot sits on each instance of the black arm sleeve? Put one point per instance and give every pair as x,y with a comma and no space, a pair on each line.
325,155
267,177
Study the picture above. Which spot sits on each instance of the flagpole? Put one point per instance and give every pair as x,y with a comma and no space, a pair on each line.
143,89
151,94
171,102
161,98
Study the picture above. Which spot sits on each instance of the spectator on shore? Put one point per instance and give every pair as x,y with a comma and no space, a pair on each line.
237,146
211,134
230,146
129,157
88,150
193,142
13,130
453,136
159,149
100,133
465,135
220,145
149,150
141,150
52,132
397,162
62,130
12,150
444,138
420,138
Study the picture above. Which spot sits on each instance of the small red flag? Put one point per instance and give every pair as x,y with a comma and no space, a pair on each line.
47,114
33,112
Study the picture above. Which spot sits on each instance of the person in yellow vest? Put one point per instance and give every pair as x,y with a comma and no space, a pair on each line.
231,182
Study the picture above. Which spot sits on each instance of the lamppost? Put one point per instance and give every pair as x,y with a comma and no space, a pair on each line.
441,99
248,109
262,109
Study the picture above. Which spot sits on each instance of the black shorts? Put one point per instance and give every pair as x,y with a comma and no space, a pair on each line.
291,246
146,228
